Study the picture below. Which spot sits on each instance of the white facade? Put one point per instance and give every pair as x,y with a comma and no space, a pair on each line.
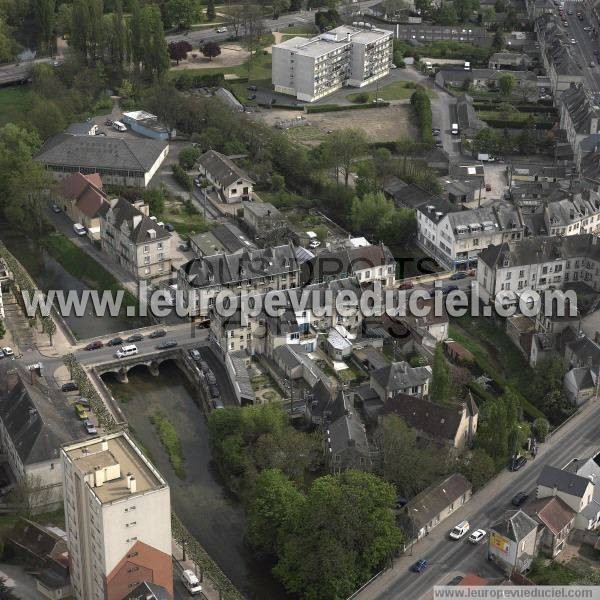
344,56
113,499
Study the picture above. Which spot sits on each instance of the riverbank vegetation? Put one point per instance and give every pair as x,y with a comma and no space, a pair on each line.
170,441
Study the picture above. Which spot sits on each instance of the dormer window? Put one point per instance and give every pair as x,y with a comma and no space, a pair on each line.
505,262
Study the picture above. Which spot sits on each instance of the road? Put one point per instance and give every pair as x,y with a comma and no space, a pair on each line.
583,50
20,72
579,437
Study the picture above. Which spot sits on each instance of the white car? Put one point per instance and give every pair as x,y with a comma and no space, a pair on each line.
460,530
477,536
221,29
8,351
573,41
587,28
79,229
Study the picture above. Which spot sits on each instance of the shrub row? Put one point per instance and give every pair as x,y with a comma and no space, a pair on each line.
186,80
337,107
422,105
526,108
283,106
507,124
184,180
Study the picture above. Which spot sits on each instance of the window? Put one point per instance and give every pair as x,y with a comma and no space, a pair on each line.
146,260
160,245
521,274
146,249
509,275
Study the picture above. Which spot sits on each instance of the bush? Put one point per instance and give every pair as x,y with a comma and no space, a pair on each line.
182,177
188,157
361,98
186,80
422,105
170,441
337,107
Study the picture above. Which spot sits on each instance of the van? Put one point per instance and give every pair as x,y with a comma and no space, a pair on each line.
128,350
467,65
428,65
119,126
460,530
454,129
313,241
191,582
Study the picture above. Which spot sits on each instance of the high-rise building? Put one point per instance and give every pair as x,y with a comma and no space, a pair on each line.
312,68
118,518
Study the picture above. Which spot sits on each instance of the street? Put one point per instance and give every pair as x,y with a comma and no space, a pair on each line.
577,438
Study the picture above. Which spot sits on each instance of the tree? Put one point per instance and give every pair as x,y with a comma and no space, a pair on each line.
211,49
440,387
322,233
253,28
2,329
273,511
181,14
188,157
279,6
393,8
506,84
464,9
277,182
488,15
49,327
498,41
541,428
446,14
179,50
236,17
500,6
527,139
44,22
423,6
210,10
155,59
344,532
371,212
343,147
478,468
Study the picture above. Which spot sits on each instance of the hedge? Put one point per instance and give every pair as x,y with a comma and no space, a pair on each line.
186,80
526,108
337,107
422,105
282,106
507,124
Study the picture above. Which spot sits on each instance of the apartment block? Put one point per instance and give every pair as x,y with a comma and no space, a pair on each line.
345,56
117,517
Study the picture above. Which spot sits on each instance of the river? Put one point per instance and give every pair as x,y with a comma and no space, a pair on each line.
202,503
49,274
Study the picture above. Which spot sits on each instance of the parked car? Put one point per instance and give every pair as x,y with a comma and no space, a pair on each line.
197,183
252,97
213,391
460,530
68,387
210,377
136,337
519,499
195,355
95,345
8,351
169,227
448,288
221,29
90,428
488,187
573,41
518,463
82,413
458,275
588,28
455,580
1,354
84,402
477,536
56,208
203,324
115,341
204,366
166,345
592,64
79,229
158,333
419,566
216,403
439,144
108,122
406,285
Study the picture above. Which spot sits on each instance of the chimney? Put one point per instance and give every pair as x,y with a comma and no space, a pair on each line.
98,477
128,479
132,484
137,220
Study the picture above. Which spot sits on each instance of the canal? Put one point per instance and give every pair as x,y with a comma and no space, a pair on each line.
51,275
202,503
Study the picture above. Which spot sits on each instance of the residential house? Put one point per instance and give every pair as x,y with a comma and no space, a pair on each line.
251,271
431,328
86,128
589,469
456,237
580,384
575,490
309,69
452,426
526,82
532,172
581,352
579,114
512,541
231,183
34,421
555,520
346,445
262,217
509,60
135,240
468,123
119,161
436,503
521,329
539,263
325,405
425,32
339,343
222,239
399,379
147,590
82,198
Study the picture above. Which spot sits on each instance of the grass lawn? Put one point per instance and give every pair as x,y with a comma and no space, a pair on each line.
15,102
81,265
399,90
551,573
306,133
170,441
306,29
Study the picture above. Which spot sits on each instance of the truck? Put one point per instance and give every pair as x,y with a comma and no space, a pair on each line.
485,158
191,582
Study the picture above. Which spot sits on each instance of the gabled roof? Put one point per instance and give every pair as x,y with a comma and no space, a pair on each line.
348,432
551,512
99,152
581,378
400,375
37,540
86,190
516,525
222,168
563,481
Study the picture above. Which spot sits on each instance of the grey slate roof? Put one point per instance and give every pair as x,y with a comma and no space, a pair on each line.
147,590
580,108
516,525
121,210
581,378
348,432
325,405
80,128
99,152
35,417
468,121
400,375
222,168
564,481
223,238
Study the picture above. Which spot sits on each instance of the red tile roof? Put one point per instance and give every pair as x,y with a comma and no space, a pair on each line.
552,512
472,579
86,190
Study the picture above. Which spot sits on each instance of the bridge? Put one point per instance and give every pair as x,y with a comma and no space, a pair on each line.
121,366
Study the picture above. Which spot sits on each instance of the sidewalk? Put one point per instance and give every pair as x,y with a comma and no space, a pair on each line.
208,588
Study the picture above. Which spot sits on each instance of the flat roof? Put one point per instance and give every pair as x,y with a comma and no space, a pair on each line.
102,452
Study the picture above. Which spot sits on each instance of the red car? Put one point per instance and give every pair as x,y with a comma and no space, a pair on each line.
406,285
488,187
96,345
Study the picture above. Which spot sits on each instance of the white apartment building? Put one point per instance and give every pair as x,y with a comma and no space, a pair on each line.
345,56
117,518
539,263
456,237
